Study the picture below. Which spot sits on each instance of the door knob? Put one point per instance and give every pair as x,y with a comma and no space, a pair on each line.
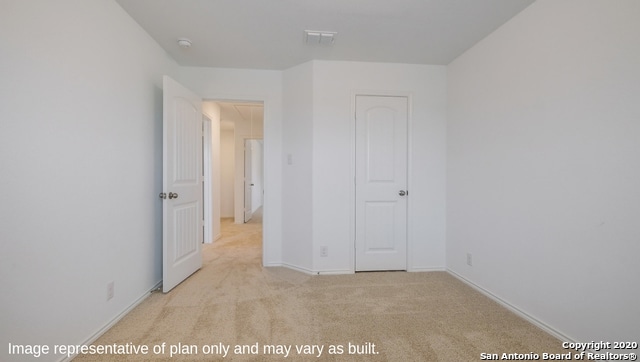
401,193
163,195
173,195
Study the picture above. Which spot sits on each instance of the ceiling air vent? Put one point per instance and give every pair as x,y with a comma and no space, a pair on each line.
313,37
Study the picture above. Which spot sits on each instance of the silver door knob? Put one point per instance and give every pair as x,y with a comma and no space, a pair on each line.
173,195
163,195
401,193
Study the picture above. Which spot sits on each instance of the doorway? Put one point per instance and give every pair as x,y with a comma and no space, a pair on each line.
253,177
241,160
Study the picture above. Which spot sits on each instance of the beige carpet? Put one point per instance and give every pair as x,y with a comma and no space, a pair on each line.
392,316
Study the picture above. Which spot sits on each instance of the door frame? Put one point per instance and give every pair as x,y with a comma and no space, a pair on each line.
247,155
266,104
207,182
352,194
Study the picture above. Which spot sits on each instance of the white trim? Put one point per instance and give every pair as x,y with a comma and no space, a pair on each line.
207,189
533,320
297,268
116,319
426,270
347,271
352,196
314,272
334,272
410,203
352,178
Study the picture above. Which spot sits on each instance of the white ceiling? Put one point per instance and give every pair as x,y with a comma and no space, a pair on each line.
233,112
269,34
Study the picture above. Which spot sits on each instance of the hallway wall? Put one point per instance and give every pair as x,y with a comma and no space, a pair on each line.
227,147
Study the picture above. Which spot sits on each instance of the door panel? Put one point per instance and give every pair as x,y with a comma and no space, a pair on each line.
182,184
381,173
380,232
380,127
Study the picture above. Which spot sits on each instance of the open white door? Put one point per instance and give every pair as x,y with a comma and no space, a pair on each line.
248,180
381,182
182,184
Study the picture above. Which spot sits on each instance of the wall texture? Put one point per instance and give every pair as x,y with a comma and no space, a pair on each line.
80,149
212,111
542,166
227,161
297,146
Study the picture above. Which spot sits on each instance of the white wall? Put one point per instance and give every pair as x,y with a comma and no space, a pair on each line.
227,161
297,138
543,166
334,87
212,111
80,140
253,85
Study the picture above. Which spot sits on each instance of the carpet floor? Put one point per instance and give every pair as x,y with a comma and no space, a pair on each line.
234,309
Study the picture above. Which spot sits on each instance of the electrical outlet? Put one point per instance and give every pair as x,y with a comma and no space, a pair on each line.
469,259
324,251
110,290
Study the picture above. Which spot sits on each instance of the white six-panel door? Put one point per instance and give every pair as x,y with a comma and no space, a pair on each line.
182,184
381,183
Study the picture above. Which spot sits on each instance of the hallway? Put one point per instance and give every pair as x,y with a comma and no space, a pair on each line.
239,242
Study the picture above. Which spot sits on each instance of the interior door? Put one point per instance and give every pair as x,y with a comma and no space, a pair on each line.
182,184
248,180
381,183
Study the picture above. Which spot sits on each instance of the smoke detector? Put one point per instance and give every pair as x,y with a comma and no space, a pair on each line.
184,43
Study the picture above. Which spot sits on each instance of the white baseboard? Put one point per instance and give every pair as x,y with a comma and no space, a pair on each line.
419,270
298,268
289,266
345,271
115,320
538,323
312,272
334,272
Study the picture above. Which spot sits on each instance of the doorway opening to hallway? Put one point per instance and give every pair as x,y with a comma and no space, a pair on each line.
241,164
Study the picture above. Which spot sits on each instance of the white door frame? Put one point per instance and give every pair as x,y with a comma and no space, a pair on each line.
352,196
265,207
248,178
207,186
